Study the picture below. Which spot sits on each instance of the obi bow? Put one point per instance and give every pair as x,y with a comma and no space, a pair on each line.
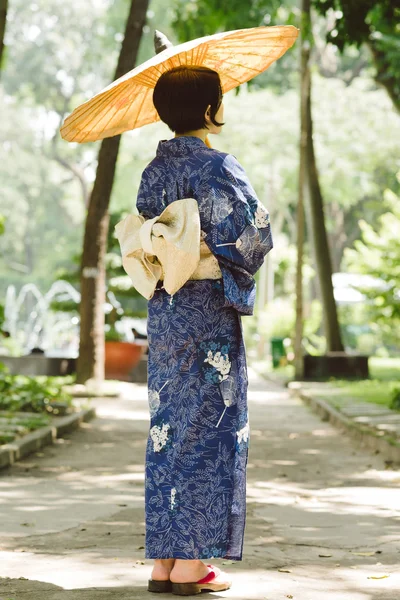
166,247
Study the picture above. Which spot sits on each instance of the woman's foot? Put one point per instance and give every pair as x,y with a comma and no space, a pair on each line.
162,569
188,571
194,577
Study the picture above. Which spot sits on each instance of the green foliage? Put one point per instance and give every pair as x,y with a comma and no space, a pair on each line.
342,392
2,317
356,20
33,394
17,425
205,17
112,335
199,18
384,369
378,255
375,22
395,398
362,332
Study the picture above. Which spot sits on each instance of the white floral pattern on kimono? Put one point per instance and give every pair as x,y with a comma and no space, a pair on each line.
160,436
221,362
261,217
243,434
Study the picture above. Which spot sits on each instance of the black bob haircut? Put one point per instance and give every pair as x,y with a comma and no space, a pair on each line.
182,94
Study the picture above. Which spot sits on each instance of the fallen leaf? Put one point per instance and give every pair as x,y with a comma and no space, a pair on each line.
284,570
140,548
228,562
377,576
139,562
325,555
289,596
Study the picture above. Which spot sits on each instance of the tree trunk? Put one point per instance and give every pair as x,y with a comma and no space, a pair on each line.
309,188
304,89
3,20
320,238
91,349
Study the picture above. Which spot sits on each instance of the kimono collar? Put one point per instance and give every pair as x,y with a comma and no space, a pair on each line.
180,145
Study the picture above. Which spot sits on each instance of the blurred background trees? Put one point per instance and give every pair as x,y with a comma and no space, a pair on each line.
59,54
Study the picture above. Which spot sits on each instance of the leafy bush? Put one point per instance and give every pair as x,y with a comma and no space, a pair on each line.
33,394
395,401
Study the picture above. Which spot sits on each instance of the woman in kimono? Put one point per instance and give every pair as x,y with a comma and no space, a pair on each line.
196,455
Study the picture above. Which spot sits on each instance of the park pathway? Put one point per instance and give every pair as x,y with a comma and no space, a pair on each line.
323,515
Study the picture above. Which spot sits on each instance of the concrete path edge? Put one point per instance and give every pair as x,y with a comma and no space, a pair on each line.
13,451
366,437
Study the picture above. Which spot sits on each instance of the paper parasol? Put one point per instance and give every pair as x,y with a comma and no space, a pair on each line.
127,103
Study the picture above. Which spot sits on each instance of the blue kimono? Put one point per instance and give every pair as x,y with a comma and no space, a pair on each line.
196,454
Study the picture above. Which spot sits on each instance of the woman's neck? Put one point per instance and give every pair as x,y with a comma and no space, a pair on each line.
199,133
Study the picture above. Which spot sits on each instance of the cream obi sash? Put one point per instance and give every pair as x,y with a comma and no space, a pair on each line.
168,247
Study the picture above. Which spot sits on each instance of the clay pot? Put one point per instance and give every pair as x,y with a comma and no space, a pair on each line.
121,358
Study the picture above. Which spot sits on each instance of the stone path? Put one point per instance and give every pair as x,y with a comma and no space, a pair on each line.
323,515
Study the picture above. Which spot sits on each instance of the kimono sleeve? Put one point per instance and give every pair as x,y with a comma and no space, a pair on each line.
239,233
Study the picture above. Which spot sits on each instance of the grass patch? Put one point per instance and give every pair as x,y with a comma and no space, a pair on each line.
384,369
375,391
379,389
384,377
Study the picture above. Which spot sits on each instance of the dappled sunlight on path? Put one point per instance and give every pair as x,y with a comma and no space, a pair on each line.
323,515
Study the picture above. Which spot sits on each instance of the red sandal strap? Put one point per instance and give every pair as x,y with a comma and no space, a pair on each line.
213,574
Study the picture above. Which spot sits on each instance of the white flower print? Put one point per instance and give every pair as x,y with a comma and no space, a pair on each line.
222,206
154,399
173,494
159,436
221,362
261,217
243,434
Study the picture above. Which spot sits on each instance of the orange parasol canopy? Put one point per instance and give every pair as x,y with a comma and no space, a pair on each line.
127,103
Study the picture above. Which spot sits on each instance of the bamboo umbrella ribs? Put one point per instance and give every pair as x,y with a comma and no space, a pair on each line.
127,103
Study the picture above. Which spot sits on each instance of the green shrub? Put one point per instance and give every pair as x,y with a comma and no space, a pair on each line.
33,394
395,400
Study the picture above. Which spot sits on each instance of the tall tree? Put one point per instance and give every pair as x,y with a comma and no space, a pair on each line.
91,351
318,232
304,95
3,20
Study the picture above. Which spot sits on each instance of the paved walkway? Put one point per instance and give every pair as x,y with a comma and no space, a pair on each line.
323,516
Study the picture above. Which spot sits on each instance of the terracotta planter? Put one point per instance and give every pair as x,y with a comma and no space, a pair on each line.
121,358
